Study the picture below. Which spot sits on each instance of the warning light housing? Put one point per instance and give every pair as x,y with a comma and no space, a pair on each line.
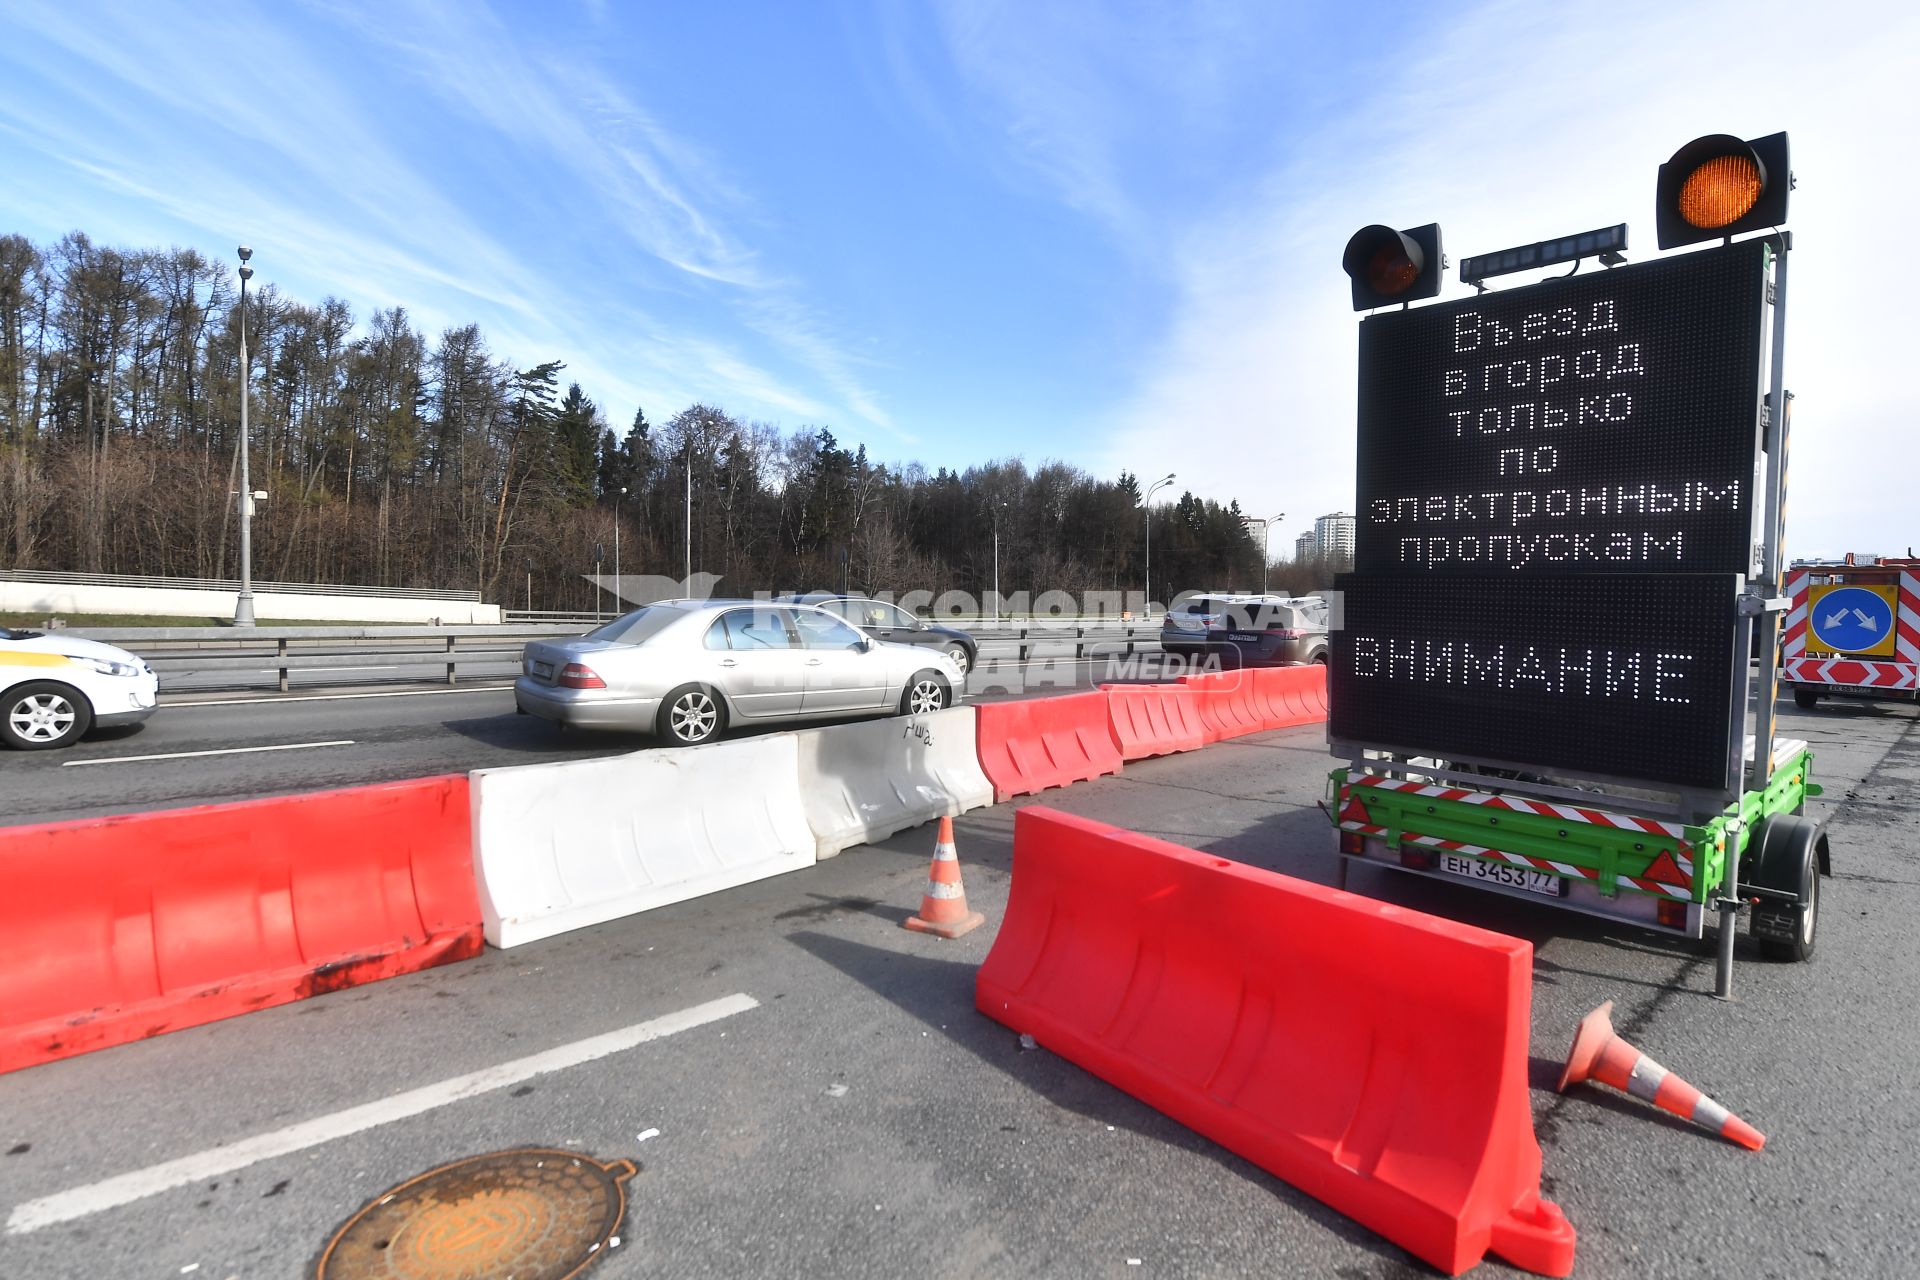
1719,186
1388,266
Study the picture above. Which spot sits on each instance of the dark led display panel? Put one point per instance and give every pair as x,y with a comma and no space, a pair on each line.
1603,423
1618,676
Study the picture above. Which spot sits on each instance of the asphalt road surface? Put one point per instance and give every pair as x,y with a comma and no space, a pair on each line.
202,748
847,1113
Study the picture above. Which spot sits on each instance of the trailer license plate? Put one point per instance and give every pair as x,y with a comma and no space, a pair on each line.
1502,873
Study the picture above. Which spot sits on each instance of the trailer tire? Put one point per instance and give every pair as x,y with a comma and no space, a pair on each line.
1805,697
1787,857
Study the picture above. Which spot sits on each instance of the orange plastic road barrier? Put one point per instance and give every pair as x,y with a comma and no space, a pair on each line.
943,908
1154,719
1226,703
1036,743
1372,1056
115,929
1288,696
1600,1054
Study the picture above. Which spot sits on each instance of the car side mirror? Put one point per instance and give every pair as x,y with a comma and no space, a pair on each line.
866,644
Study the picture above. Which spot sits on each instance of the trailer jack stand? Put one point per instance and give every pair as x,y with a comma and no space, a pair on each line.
1723,963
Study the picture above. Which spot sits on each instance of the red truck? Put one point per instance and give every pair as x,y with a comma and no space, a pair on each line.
1854,629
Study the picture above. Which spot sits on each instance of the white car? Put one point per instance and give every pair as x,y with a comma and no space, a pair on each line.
53,688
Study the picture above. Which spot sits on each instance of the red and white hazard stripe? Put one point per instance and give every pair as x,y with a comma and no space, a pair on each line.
1863,673
1515,804
1794,640
1682,854
1907,618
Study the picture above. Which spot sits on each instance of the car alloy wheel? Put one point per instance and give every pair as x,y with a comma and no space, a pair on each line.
957,654
40,716
693,717
925,694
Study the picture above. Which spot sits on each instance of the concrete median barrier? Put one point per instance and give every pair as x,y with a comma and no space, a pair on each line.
1373,1056
563,846
116,929
863,782
1036,743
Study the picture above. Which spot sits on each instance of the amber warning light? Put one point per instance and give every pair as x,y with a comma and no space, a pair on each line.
1388,266
1719,185
1720,191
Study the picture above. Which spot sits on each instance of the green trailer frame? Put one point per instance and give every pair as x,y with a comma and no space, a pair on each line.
1587,854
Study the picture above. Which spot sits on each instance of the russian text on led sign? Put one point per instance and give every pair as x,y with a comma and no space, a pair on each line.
1618,676
1604,423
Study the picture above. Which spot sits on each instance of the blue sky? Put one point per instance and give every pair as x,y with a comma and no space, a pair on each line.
1107,233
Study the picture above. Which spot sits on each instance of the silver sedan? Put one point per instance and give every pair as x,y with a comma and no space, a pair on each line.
685,669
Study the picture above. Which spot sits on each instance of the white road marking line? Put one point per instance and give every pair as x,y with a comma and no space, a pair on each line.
224,751
336,697
141,1183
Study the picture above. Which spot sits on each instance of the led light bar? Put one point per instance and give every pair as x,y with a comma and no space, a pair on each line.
1608,241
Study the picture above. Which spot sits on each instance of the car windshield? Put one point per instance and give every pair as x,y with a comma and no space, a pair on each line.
637,627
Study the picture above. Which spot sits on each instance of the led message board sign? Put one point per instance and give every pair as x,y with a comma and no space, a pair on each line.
1604,423
1621,675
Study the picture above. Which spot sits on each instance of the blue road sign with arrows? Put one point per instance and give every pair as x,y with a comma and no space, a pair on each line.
1852,620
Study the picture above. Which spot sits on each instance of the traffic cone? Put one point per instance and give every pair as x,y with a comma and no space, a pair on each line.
1599,1054
943,908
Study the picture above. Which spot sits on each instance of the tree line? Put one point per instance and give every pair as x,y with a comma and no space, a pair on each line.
398,460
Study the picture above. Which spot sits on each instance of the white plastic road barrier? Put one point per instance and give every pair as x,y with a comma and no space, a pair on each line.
863,782
562,846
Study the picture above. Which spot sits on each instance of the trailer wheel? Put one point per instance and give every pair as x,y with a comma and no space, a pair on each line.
1787,858
1805,697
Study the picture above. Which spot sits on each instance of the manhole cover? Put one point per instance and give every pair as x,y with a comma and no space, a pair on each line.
532,1214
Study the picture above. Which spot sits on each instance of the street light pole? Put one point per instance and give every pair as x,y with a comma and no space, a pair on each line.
996,559
618,598
686,584
1147,502
243,604
1266,542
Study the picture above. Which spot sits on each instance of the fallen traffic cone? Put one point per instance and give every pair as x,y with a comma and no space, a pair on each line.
1599,1054
943,908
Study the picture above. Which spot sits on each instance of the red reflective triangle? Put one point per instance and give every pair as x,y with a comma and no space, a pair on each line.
1355,812
1665,870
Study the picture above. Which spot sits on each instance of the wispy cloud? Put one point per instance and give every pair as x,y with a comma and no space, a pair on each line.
1506,122
294,146
663,194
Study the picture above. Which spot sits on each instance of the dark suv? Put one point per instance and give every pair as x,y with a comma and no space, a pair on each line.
891,624
1269,632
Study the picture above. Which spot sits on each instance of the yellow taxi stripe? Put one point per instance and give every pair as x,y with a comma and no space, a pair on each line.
34,660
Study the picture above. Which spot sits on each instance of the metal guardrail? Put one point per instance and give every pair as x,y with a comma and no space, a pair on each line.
280,649
283,650
57,577
583,617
